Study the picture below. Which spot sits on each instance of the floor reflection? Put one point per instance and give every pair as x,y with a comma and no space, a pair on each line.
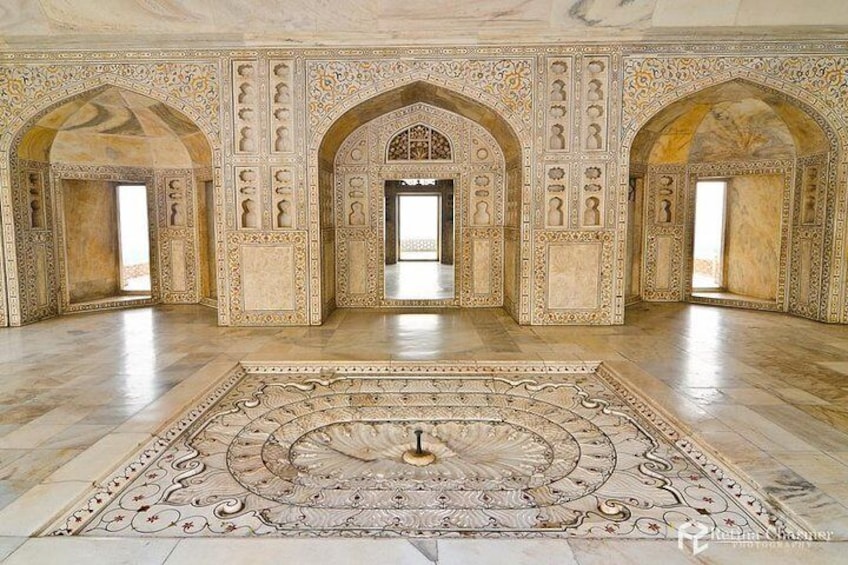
419,280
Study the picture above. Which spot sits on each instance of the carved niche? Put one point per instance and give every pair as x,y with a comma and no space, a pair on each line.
557,123
595,103
245,105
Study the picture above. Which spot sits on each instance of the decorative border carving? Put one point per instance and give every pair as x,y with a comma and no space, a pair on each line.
542,314
239,316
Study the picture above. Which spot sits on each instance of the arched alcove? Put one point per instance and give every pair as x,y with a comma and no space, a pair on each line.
465,175
763,159
80,229
446,110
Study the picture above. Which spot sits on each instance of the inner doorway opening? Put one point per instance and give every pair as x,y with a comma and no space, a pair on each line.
134,237
107,241
419,242
708,251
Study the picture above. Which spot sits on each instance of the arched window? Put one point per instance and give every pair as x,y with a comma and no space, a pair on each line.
419,143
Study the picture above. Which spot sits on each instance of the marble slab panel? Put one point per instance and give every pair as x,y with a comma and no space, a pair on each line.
268,274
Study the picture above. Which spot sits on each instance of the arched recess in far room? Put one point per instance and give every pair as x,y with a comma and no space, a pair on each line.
80,236
730,201
445,107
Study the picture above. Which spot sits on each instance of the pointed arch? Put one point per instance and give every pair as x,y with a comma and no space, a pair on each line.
792,93
78,94
659,145
89,89
329,136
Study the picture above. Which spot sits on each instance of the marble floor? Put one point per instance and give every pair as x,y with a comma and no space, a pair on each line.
419,280
79,395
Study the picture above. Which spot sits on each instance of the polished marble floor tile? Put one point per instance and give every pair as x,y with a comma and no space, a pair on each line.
56,551
302,552
779,383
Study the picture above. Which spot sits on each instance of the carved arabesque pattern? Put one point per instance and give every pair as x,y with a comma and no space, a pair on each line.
419,143
536,449
505,82
191,87
651,83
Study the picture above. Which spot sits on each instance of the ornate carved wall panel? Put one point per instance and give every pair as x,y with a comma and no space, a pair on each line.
264,113
662,274
281,77
36,241
419,141
285,203
590,206
557,201
594,102
249,198
267,278
177,236
807,232
246,118
573,279
559,97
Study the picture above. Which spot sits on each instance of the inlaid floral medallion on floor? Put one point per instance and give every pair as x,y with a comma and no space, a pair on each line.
486,449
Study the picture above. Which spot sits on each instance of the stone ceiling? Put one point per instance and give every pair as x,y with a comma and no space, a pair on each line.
93,23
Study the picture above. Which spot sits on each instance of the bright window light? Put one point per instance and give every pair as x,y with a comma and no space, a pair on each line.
134,238
419,227
708,255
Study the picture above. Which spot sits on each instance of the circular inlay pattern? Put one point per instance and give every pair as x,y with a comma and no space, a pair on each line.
335,449
290,454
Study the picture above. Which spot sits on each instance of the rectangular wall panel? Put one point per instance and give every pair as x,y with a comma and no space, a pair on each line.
178,266
357,267
574,275
267,277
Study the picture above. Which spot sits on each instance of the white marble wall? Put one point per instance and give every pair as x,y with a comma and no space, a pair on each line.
558,251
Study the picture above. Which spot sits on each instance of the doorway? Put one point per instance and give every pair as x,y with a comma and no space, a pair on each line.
107,241
419,240
709,232
736,240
